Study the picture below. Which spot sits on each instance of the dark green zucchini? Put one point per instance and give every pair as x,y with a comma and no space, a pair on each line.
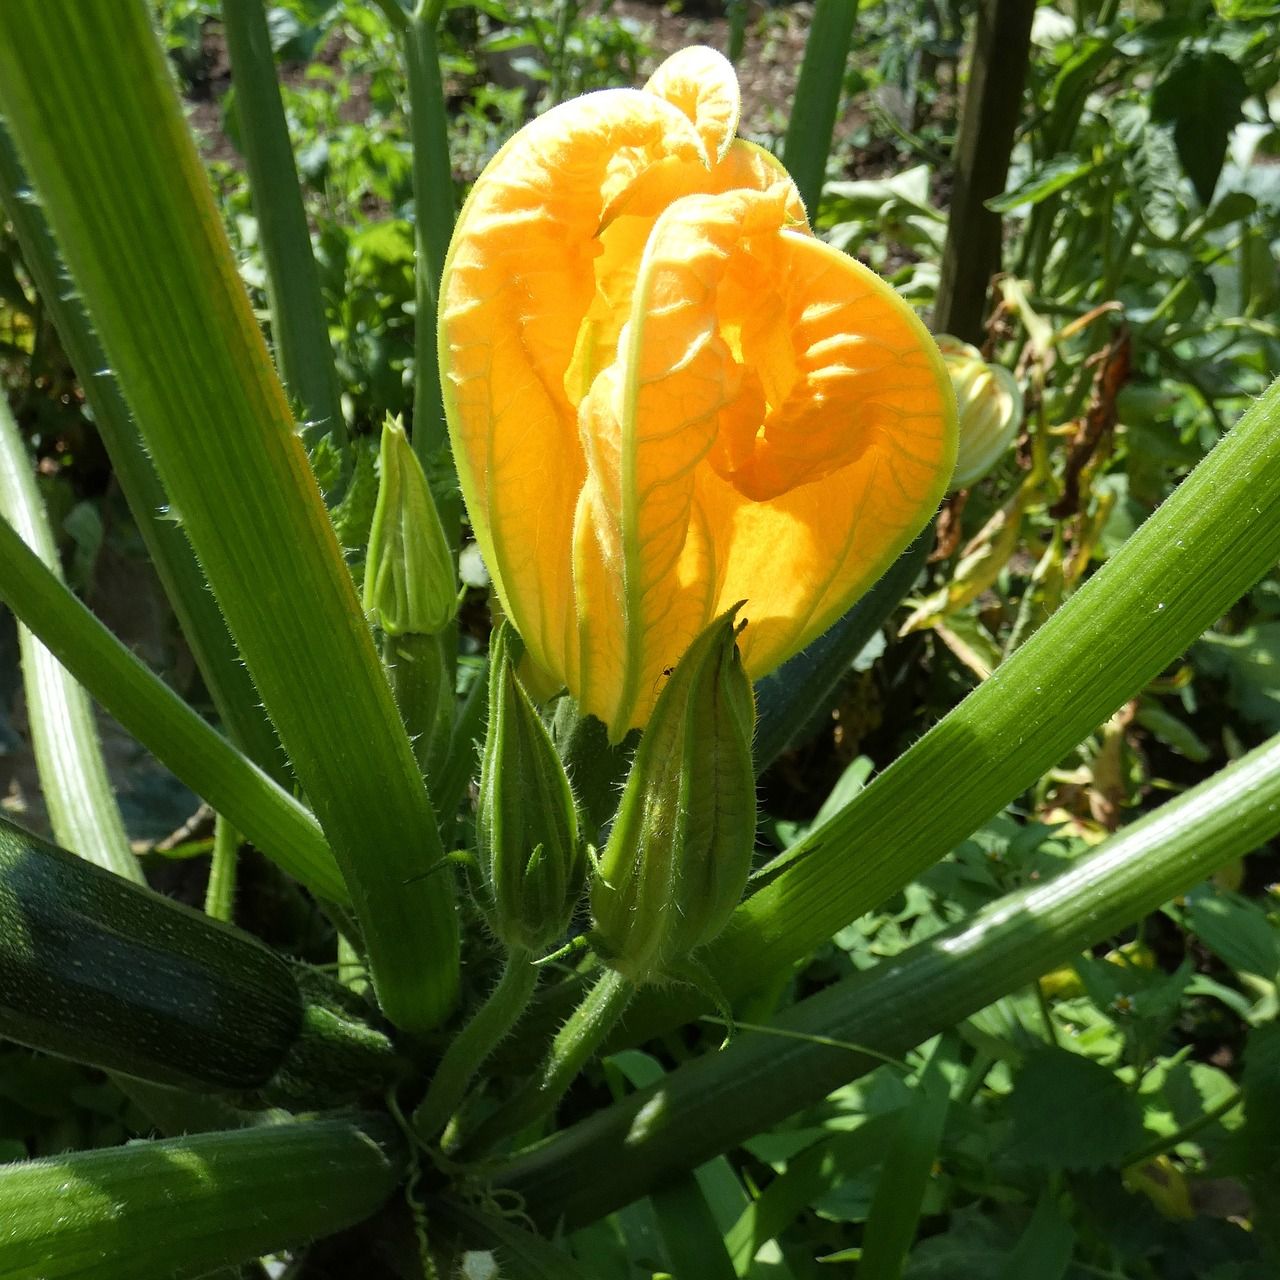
102,971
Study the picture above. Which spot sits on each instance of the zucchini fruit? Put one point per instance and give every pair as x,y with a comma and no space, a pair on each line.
102,971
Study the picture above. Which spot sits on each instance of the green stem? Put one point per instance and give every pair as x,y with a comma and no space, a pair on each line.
73,777
817,98
298,324
220,893
475,1042
423,687
1167,1142
73,774
714,1103
214,651
433,226
571,1050
193,750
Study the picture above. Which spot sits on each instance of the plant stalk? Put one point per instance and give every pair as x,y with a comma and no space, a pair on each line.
571,1050
712,1104
491,1023
298,324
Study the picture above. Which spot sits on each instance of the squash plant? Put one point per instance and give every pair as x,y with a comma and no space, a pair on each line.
393,1101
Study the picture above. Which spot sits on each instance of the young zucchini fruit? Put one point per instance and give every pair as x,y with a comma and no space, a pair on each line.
105,972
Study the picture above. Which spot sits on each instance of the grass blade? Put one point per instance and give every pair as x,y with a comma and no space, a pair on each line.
709,1106
895,1209
694,1244
92,108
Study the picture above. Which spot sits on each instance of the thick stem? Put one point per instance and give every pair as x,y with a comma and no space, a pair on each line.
422,682
471,1048
571,1050
73,774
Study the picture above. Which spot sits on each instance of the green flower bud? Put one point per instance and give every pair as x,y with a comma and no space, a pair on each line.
680,850
410,587
990,404
527,822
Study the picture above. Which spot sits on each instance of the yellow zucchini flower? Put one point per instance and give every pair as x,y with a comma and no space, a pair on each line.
666,395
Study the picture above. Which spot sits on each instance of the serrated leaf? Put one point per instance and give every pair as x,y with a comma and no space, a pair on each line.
1154,171
1069,1112
1201,97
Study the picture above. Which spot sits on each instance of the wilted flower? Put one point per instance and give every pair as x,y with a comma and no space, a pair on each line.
666,395
990,408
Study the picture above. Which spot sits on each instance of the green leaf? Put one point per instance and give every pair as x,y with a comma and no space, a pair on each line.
1071,1113
1250,664
1201,96
93,110
793,698
1044,1249
1238,931
908,1166
1153,168
183,1207
1042,182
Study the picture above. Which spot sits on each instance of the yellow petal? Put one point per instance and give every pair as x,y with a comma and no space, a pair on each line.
776,429
702,83
517,283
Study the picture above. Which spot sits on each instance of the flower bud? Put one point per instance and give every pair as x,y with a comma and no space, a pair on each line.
527,823
990,405
680,850
410,587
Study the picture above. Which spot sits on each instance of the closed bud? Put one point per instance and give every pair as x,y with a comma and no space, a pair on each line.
680,850
410,587
527,823
990,409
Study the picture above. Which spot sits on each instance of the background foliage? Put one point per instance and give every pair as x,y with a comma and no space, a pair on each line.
1120,1117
